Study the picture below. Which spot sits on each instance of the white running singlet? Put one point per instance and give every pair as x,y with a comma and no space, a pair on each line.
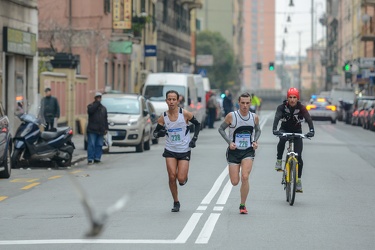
241,130
178,136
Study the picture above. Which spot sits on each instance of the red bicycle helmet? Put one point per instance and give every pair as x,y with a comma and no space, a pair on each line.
292,91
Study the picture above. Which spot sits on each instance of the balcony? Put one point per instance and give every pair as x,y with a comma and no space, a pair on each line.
194,4
367,2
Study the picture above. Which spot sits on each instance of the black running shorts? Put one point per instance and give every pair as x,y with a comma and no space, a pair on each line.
236,156
178,156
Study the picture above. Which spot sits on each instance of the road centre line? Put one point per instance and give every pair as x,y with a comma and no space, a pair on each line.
3,198
54,177
24,180
222,200
215,188
208,228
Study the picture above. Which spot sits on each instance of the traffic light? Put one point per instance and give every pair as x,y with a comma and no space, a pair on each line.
259,66
271,66
347,67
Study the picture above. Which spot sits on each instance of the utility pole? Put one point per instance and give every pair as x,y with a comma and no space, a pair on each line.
312,45
299,62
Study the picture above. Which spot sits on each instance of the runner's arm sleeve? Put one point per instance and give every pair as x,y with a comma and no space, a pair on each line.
221,130
257,133
197,127
159,131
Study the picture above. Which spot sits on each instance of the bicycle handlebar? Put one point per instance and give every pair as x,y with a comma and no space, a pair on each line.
294,135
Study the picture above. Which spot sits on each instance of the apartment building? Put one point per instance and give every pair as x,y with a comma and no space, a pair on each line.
18,50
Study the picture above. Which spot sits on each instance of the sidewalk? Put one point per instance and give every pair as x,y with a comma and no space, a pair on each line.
79,154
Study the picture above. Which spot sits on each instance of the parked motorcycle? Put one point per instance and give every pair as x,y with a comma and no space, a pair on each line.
32,144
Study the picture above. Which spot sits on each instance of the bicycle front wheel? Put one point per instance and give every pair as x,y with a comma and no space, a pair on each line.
292,181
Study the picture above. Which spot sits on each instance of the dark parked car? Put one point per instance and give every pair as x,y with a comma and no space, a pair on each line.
5,145
366,116
359,112
354,107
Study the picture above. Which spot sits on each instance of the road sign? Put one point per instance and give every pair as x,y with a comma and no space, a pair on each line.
202,72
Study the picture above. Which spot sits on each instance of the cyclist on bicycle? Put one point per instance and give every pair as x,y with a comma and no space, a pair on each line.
291,113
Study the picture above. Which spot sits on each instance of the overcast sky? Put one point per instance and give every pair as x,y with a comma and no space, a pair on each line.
300,16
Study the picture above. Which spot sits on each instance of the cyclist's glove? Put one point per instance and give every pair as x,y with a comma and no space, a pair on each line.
192,142
311,133
277,133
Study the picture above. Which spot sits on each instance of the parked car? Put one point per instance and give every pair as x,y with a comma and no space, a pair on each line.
359,112
129,120
369,111
352,108
371,119
322,109
5,145
154,120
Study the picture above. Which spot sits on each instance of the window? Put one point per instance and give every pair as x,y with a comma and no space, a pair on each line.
107,6
106,73
165,11
143,6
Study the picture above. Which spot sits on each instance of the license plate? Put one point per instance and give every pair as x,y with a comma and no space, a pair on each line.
113,133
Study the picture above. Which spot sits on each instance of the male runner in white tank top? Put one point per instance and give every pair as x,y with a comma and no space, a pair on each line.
174,124
244,132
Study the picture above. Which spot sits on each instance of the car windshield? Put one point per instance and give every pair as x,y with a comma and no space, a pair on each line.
121,105
157,92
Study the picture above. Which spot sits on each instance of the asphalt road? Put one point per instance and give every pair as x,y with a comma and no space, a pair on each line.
42,209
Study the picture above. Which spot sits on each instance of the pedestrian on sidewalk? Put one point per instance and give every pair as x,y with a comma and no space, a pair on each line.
97,127
174,124
50,110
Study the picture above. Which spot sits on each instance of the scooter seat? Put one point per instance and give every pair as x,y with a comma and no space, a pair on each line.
49,135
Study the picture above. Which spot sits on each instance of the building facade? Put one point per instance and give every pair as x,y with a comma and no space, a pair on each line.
18,55
258,44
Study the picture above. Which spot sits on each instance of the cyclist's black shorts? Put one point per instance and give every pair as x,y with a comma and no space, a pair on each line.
178,156
236,156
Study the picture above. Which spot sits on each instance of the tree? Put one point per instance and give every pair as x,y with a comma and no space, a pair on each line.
224,71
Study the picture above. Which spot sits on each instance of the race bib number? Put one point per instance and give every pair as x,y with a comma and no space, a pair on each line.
175,134
243,141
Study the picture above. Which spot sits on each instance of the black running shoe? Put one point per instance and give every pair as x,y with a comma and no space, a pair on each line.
176,206
181,184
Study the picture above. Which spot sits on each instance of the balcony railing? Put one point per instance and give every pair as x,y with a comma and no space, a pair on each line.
192,3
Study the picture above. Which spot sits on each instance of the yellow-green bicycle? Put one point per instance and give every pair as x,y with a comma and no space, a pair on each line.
290,175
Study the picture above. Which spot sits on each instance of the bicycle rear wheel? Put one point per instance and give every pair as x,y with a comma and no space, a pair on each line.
292,181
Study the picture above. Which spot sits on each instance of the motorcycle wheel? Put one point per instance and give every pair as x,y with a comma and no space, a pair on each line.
64,162
15,159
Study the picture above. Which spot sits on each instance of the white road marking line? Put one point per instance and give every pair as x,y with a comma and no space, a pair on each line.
83,241
218,208
208,228
189,228
222,200
202,208
215,187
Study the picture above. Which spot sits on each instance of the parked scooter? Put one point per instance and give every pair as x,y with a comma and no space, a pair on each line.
32,144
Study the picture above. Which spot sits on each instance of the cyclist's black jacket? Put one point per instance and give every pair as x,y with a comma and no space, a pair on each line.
291,118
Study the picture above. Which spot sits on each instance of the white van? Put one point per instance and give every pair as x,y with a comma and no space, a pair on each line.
157,85
201,95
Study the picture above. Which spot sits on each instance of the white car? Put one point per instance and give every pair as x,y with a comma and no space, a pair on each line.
128,120
322,109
